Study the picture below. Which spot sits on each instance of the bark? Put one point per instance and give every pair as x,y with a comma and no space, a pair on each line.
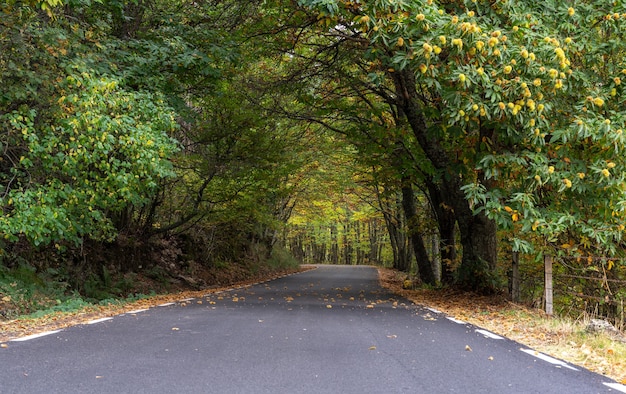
424,265
446,224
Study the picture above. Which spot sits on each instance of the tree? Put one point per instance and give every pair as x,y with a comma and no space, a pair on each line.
485,90
78,147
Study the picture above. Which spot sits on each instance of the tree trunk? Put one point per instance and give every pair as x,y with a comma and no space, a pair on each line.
446,224
478,239
478,233
424,265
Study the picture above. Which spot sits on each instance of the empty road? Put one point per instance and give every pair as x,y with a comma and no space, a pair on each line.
328,330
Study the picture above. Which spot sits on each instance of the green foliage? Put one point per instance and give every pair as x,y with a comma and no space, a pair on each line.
24,290
282,259
99,150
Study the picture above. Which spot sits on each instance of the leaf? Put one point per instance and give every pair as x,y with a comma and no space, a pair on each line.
329,306
372,348
468,348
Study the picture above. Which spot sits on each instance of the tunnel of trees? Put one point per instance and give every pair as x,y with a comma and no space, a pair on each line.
434,137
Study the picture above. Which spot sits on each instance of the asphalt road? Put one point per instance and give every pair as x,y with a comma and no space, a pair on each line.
329,330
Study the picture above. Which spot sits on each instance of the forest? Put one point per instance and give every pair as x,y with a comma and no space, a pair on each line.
447,139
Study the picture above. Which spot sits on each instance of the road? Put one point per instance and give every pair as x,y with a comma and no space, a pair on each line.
328,330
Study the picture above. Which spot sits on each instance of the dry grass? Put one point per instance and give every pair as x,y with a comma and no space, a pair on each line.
561,338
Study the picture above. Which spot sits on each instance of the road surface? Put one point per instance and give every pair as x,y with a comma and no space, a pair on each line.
328,330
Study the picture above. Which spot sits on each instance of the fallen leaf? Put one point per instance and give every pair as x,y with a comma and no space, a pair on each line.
469,349
490,358
235,299
4,345
98,377
392,336
370,306
175,329
329,306
372,348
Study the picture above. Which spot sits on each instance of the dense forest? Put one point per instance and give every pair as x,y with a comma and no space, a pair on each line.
440,138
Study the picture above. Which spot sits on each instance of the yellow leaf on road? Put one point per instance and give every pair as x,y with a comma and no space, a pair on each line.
372,348
469,349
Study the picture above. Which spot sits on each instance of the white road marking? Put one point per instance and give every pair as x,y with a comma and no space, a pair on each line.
167,304
433,310
488,334
29,337
135,311
616,386
457,321
99,320
548,359
186,300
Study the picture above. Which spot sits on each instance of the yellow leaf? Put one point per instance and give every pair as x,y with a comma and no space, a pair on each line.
469,349
329,306
4,345
175,329
372,348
